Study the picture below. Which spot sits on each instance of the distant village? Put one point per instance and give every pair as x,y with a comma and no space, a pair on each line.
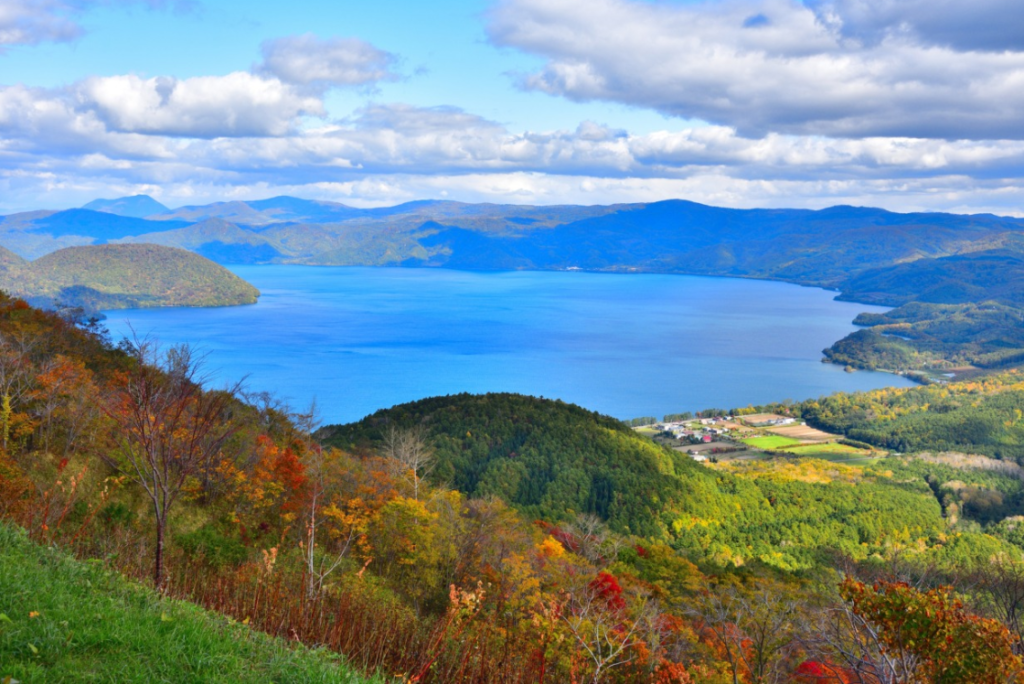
748,436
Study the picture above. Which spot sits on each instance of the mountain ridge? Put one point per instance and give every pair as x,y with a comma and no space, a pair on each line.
136,206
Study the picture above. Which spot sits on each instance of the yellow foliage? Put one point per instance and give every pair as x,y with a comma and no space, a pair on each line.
551,548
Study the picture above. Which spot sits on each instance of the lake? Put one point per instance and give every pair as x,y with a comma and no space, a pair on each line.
361,339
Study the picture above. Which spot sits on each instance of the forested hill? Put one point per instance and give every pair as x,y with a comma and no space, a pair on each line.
549,458
123,276
553,461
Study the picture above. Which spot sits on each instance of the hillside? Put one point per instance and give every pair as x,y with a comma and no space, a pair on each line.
553,460
62,620
353,551
547,457
124,276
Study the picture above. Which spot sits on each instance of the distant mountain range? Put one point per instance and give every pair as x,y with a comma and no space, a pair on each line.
136,206
871,255
827,247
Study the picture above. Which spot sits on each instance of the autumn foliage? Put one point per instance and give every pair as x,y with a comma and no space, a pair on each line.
127,455
934,630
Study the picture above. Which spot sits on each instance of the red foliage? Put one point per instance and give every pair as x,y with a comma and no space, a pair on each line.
812,670
607,587
289,471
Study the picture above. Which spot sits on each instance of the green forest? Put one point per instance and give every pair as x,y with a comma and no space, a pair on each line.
96,277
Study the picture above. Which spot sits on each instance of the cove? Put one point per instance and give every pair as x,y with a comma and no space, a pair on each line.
360,339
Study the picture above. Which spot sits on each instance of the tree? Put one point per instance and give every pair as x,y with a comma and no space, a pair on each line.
344,523
893,633
590,538
1002,584
15,381
169,429
610,628
410,454
755,634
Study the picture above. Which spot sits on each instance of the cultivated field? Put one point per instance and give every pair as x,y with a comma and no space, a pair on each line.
839,453
755,418
771,442
804,433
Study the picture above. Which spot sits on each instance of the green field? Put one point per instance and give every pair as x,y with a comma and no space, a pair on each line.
62,620
771,442
840,453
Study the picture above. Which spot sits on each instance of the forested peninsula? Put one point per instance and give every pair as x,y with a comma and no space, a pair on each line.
491,537
122,277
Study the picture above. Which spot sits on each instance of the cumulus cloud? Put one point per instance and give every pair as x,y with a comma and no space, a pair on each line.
239,135
308,60
238,104
840,68
185,125
269,101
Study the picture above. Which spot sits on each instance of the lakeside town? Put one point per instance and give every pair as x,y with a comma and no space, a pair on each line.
753,436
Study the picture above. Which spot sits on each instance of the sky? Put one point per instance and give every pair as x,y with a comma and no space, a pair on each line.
910,105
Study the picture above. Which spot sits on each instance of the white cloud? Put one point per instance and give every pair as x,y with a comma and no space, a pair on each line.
102,136
203,122
28,22
238,104
772,65
308,60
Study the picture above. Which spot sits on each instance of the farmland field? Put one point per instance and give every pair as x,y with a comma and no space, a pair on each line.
803,432
771,442
839,453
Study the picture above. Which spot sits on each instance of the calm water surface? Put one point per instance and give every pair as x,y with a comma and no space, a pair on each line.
360,339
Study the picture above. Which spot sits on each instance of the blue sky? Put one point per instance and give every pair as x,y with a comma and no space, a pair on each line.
906,104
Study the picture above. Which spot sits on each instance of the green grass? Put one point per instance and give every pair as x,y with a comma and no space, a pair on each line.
63,620
770,442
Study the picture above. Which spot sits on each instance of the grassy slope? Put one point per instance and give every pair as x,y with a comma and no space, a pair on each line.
95,626
123,276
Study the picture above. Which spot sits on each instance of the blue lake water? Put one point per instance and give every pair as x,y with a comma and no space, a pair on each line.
360,339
